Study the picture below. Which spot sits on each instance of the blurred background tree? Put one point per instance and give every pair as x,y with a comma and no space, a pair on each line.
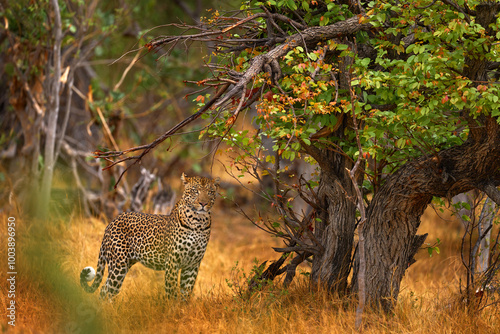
67,91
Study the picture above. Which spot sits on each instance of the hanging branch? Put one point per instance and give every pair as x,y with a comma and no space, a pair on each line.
146,148
259,64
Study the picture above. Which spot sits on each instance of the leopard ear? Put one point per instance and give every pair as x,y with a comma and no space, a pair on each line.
184,178
217,181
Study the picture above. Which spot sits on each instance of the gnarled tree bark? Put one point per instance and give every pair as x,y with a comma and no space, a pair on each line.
394,214
337,217
335,229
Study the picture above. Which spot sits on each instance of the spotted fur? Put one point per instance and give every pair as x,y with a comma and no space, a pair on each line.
174,243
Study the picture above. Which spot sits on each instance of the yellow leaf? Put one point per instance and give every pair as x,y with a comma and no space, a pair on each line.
362,19
230,120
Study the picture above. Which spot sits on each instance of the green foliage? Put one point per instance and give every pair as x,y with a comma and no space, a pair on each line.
419,69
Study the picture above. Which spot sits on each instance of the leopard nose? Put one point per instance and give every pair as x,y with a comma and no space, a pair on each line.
203,204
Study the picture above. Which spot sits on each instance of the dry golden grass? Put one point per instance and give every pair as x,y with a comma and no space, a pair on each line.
51,255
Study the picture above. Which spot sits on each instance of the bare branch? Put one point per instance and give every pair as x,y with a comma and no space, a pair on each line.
296,248
308,36
124,74
492,192
146,148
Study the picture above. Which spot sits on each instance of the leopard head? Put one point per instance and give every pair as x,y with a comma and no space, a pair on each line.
199,192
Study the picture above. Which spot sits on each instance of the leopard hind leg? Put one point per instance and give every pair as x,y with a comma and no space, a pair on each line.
116,275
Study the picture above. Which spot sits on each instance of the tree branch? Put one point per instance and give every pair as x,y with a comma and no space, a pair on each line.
146,148
312,35
490,190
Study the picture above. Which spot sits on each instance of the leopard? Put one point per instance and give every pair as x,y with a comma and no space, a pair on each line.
174,243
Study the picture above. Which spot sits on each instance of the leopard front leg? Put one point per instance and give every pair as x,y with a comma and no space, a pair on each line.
188,278
172,278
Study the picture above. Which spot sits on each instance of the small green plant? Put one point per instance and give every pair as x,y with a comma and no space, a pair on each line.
247,285
243,284
431,249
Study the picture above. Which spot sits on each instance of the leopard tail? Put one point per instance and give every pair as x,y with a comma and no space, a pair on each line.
88,274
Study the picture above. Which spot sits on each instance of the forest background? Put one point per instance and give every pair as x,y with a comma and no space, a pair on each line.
72,91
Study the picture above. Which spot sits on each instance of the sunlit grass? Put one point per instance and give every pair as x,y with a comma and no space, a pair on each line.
50,299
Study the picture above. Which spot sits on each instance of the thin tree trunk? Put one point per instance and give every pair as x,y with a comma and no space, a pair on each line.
53,113
463,198
484,229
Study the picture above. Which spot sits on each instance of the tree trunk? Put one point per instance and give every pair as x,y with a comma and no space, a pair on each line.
53,114
394,213
335,231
